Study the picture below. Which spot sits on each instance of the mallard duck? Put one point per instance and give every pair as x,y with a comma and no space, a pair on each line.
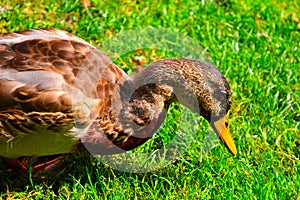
60,95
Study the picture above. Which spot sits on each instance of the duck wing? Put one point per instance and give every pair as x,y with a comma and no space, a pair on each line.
39,71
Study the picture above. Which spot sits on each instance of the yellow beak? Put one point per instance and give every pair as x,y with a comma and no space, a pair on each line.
224,134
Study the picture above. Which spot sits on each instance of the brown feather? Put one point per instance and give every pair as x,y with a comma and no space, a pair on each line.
57,87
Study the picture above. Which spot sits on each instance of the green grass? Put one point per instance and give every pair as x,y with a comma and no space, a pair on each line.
255,44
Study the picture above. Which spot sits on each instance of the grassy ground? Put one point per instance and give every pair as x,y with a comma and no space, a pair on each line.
254,43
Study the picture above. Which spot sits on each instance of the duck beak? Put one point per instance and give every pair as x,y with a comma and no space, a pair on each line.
224,134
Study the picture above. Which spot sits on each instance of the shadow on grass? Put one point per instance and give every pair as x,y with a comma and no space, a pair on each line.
74,166
82,168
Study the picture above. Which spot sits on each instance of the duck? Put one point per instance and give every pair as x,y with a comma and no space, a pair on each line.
61,95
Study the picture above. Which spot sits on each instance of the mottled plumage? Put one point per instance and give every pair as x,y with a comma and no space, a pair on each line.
59,93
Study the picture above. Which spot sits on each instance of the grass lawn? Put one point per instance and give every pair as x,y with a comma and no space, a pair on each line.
255,44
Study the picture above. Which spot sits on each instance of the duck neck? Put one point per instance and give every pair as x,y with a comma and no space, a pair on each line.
143,113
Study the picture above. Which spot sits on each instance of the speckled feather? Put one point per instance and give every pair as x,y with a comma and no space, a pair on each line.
41,70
